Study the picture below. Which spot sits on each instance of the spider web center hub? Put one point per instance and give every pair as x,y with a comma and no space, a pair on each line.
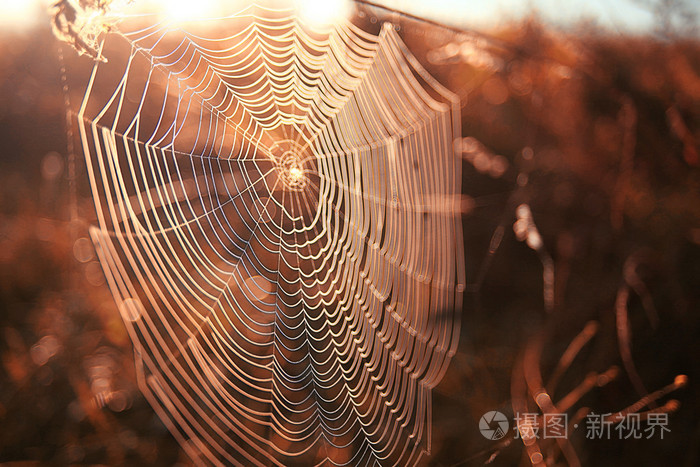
291,170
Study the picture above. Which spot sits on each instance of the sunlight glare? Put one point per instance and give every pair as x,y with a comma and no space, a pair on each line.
186,10
16,15
325,12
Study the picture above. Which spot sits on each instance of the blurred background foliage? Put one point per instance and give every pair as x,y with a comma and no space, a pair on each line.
596,132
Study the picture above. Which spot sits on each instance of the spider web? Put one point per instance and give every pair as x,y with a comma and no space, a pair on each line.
277,224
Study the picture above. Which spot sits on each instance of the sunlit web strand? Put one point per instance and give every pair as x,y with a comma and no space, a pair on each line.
270,223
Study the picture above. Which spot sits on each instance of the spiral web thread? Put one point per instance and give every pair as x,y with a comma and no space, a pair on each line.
277,225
